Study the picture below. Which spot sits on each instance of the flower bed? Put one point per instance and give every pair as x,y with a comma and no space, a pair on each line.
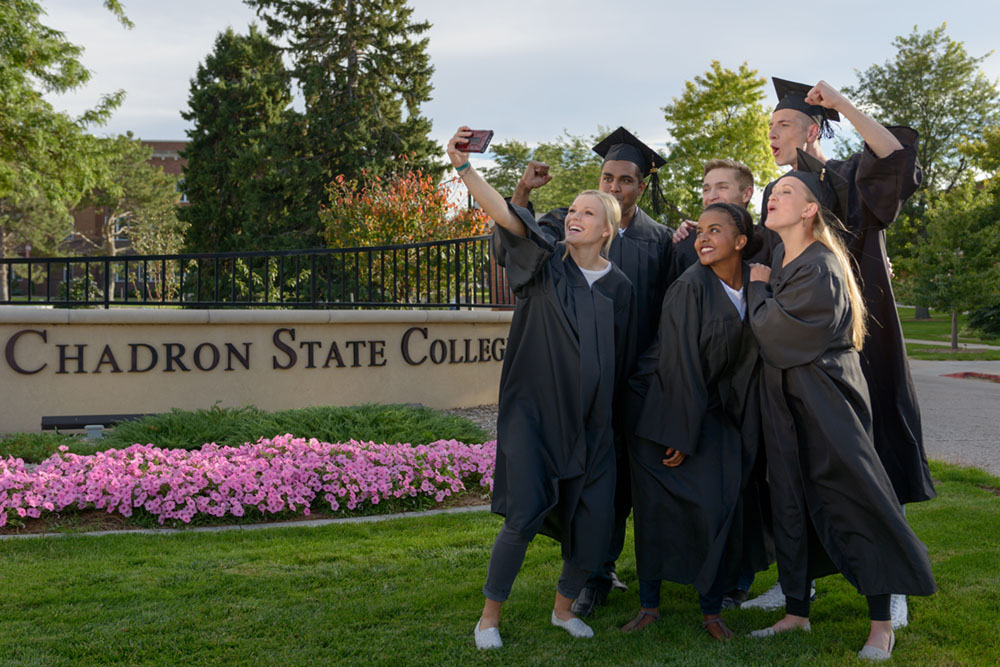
274,476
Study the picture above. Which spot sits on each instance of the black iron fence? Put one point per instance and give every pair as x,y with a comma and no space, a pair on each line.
437,274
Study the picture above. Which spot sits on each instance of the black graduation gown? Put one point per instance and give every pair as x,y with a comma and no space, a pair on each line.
699,395
684,254
565,355
878,187
834,506
644,253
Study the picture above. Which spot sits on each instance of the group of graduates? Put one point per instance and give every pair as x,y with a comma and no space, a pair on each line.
742,388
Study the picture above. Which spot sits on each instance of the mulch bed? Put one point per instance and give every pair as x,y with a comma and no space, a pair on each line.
972,375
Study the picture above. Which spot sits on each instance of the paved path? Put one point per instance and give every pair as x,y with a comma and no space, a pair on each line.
961,417
375,518
961,345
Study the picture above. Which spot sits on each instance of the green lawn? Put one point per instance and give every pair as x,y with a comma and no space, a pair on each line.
408,592
936,328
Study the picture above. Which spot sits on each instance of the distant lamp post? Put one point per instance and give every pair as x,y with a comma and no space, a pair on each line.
27,250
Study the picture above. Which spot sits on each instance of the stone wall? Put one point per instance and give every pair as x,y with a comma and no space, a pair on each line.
143,360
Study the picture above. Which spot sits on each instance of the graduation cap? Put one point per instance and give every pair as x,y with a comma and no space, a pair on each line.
623,145
792,95
829,188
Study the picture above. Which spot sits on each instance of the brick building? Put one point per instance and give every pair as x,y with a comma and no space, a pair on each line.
88,222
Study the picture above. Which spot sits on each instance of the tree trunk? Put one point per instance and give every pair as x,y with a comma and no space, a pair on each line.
954,331
921,313
110,247
4,292
4,282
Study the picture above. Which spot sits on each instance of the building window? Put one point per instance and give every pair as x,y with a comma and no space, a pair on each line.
120,236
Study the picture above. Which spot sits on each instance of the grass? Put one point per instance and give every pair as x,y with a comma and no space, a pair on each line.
408,592
938,328
235,426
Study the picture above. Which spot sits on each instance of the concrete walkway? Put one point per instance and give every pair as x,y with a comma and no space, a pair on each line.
961,416
256,526
961,345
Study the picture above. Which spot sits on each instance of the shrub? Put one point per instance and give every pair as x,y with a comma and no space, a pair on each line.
986,320
271,476
406,207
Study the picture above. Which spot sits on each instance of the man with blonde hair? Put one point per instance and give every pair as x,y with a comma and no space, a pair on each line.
726,181
880,178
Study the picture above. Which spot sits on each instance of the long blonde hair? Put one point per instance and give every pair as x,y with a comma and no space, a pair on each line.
823,233
612,216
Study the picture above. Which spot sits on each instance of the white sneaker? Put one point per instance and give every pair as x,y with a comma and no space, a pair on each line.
770,600
773,599
574,626
898,611
488,638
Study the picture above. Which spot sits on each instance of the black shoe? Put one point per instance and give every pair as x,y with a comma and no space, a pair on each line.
587,601
733,599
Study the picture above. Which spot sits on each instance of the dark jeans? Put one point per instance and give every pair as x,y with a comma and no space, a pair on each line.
601,579
878,607
505,562
710,603
745,581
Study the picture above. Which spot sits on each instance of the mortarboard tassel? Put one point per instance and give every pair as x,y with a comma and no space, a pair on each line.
656,192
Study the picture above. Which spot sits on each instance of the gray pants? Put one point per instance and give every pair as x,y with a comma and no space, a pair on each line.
505,562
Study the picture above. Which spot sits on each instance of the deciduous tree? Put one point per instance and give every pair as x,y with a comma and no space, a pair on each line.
959,255
935,86
47,160
720,114
572,162
140,199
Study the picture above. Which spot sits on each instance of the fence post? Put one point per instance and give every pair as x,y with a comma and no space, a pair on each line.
107,283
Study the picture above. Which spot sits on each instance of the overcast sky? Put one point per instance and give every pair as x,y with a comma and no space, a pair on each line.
528,69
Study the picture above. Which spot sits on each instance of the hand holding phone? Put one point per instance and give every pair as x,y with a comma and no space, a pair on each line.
477,142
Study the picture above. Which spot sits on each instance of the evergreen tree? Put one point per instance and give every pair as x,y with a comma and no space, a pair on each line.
240,178
363,71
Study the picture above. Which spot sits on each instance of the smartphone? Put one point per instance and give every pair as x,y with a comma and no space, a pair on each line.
477,143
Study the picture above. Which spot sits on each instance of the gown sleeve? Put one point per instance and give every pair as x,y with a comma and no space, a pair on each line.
551,224
798,321
884,184
678,395
524,256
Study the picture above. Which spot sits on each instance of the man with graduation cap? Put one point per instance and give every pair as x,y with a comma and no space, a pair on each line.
643,251
833,512
879,179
